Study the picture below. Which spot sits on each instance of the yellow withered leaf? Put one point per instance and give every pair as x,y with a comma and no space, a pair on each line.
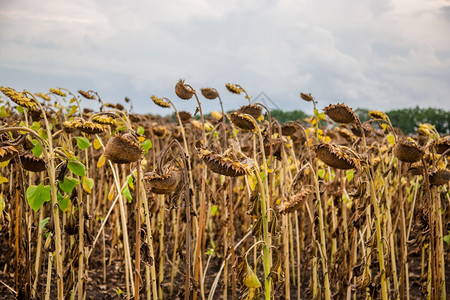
111,194
97,144
3,179
101,161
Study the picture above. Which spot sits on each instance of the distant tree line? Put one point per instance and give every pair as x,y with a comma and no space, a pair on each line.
406,119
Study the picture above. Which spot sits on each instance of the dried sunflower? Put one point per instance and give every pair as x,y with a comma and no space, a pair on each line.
123,149
340,113
32,163
408,151
356,130
184,116
164,183
289,128
216,115
439,177
210,93
442,145
86,94
184,91
306,97
160,102
7,153
19,98
57,92
43,96
376,114
225,165
104,120
85,126
159,131
243,121
233,88
295,201
335,156
252,109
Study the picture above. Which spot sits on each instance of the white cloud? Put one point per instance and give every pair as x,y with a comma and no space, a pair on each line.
376,54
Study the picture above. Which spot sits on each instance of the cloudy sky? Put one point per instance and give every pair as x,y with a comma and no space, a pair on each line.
376,54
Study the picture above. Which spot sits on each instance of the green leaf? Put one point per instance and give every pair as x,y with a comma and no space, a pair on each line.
140,130
349,174
64,203
77,168
20,109
214,210
83,142
43,133
130,181
3,112
321,173
73,110
38,195
127,194
88,184
35,126
37,150
44,222
447,238
68,184
147,145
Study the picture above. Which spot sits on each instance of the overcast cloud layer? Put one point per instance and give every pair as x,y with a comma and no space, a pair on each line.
376,54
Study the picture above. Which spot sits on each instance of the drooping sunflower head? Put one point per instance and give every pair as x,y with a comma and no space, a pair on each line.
32,163
289,128
440,177
340,113
123,149
85,126
252,109
233,88
376,114
335,156
159,131
306,97
58,92
104,120
43,96
7,153
184,91
210,93
243,121
407,151
185,116
19,98
86,94
225,165
441,145
294,202
160,102
164,183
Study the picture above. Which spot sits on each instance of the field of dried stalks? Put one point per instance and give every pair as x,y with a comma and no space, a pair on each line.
110,205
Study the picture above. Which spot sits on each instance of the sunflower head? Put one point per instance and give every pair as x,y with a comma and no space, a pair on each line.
32,163
407,151
160,102
233,88
335,156
210,93
86,94
340,113
439,177
252,109
225,164
306,97
164,183
289,128
243,121
184,91
58,92
123,149
19,98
